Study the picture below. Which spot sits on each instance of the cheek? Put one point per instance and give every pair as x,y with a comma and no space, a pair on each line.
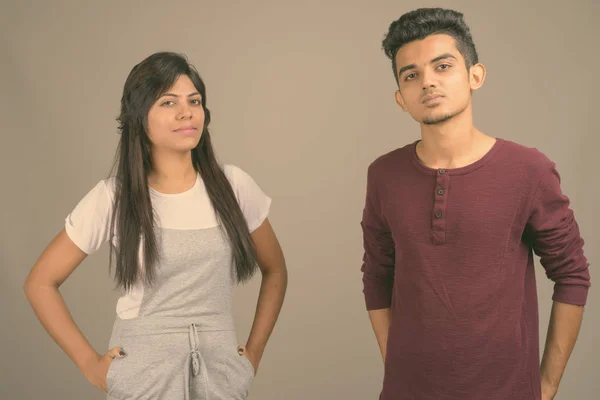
460,84
156,127
464,93
412,98
200,115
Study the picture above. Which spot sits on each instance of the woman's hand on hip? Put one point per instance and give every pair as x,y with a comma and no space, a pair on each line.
96,369
246,352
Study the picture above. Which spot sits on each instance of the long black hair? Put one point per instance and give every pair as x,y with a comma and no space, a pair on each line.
133,217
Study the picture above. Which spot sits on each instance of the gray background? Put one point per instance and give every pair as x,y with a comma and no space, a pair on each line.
302,99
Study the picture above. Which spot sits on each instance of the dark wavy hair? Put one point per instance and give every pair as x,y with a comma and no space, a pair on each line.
133,218
423,22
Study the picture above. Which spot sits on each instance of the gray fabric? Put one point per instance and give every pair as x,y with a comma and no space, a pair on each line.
183,343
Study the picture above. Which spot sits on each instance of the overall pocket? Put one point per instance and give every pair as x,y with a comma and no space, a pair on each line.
111,373
154,364
248,364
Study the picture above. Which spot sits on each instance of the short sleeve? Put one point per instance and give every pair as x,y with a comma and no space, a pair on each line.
88,224
255,204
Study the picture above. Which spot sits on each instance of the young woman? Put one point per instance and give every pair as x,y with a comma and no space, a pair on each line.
182,231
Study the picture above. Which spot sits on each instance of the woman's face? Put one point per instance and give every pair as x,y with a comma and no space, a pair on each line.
176,119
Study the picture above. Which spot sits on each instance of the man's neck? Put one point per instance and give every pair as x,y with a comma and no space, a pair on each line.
454,143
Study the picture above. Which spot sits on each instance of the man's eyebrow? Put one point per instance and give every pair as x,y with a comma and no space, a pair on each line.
436,59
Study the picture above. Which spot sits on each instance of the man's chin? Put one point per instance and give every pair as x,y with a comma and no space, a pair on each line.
437,119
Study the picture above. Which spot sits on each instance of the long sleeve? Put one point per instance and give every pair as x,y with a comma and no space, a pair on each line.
555,237
378,259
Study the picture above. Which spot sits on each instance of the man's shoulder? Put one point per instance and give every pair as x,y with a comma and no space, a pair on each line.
525,157
395,158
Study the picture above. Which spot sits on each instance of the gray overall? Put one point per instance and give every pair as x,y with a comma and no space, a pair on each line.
182,345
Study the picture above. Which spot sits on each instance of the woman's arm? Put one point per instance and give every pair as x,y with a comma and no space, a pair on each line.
53,267
272,290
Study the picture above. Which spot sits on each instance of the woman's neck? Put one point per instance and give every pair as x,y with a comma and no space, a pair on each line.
172,173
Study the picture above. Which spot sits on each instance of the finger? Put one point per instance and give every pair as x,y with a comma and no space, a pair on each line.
241,349
116,352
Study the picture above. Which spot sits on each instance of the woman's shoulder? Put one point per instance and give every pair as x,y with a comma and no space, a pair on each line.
235,174
232,170
106,187
101,194
242,182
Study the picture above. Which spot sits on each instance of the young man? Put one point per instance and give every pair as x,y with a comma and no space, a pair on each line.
450,226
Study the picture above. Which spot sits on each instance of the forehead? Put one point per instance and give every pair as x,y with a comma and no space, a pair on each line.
183,84
423,51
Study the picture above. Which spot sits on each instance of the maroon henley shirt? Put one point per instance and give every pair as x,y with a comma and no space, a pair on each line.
451,253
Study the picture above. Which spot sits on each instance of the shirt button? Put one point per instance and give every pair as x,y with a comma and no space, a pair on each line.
438,214
440,192
442,171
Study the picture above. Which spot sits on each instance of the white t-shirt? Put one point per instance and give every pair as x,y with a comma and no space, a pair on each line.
88,225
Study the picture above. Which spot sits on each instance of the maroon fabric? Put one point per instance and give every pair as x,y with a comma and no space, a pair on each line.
451,253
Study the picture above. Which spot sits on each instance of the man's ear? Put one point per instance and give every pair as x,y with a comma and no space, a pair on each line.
400,101
476,76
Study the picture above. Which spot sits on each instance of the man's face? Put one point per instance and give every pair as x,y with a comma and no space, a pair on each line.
434,83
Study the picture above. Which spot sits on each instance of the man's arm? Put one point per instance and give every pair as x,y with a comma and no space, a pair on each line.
378,264
565,321
555,237
381,320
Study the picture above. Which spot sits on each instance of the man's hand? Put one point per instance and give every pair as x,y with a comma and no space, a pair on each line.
548,391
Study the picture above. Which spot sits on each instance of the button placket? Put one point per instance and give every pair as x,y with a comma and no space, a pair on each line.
438,225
